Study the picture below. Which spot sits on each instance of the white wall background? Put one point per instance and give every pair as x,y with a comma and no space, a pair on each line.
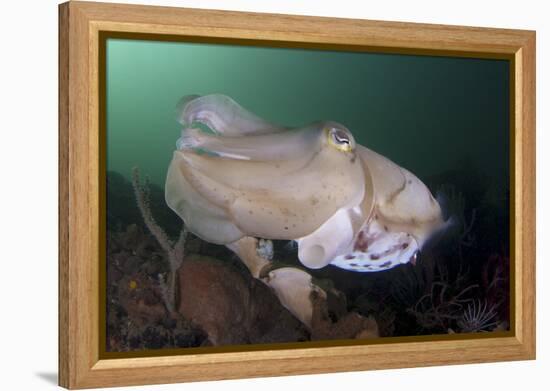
28,207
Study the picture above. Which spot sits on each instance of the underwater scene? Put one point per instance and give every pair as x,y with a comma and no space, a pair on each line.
263,195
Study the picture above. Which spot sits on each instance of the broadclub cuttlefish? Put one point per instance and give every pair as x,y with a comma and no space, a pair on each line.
236,178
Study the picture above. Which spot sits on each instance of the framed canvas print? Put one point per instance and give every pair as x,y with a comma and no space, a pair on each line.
248,195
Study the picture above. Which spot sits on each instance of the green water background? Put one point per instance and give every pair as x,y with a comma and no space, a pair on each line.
428,114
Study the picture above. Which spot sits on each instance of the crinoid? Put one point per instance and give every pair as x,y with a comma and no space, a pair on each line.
478,316
439,308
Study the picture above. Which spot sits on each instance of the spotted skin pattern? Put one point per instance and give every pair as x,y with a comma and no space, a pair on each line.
377,248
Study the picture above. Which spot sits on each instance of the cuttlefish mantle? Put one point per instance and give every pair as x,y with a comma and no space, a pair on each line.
341,202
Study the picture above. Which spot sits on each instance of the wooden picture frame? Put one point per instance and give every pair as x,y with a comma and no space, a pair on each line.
81,163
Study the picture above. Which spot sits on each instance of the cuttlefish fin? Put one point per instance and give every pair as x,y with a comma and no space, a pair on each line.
222,115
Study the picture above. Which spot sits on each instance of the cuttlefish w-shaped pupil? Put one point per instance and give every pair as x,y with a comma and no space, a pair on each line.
340,136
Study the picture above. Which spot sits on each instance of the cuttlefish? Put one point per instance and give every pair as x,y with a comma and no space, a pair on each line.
235,175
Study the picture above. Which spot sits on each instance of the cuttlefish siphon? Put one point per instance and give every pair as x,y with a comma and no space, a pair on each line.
235,175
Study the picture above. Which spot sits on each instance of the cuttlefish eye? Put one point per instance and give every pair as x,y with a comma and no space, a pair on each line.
341,139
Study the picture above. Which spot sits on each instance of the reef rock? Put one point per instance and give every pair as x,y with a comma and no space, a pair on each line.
231,306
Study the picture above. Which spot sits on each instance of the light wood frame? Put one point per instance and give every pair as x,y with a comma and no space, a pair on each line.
80,165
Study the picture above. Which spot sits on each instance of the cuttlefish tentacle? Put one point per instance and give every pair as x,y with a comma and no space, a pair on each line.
222,115
258,147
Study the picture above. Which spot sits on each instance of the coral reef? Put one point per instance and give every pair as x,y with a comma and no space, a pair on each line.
163,293
137,317
232,307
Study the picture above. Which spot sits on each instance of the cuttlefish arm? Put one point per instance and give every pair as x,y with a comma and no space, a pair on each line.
222,115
